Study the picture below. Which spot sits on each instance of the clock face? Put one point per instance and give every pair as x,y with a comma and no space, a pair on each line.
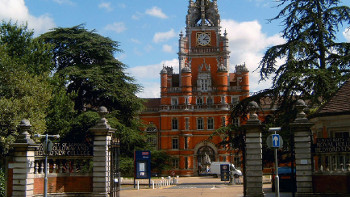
203,39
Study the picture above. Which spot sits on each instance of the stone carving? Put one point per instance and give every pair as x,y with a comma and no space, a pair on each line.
205,11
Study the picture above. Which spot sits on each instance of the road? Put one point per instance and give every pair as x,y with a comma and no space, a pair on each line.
193,187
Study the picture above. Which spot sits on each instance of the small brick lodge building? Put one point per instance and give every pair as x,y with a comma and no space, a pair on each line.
197,100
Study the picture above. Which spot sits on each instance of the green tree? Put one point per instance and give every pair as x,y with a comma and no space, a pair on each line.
25,90
314,64
311,64
86,60
93,77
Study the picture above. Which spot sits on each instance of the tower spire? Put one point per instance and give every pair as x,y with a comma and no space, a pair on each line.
203,13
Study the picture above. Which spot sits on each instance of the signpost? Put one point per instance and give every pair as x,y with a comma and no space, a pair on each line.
275,141
47,148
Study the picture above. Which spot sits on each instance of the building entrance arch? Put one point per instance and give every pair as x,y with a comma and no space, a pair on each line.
206,152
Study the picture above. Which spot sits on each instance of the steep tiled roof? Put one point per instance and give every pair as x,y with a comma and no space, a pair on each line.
339,103
152,103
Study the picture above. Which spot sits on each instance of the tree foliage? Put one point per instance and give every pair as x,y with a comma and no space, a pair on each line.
311,64
314,64
87,72
25,90
86,60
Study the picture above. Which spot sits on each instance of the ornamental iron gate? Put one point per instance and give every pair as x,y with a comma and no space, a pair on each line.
114,172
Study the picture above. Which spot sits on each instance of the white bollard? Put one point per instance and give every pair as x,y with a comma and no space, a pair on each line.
153,184
138,185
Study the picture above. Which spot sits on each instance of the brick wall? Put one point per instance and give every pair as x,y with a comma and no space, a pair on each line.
65,184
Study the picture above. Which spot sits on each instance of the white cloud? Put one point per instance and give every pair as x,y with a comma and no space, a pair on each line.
16,10
156,12
168,48
150,77
247,44
117,27
106,5
136,16
135,41
346,34
69,2
164,36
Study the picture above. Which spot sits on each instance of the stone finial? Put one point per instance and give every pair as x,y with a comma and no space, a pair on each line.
102,111
164,71
102,125
24,136
300,106
252,108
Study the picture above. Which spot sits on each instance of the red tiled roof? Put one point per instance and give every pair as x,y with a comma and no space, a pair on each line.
339,103
151,103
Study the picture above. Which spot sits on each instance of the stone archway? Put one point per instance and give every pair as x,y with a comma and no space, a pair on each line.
205,153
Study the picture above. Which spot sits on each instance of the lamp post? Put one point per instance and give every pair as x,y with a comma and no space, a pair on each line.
46,150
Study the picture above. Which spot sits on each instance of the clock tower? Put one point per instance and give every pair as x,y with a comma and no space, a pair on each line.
197,100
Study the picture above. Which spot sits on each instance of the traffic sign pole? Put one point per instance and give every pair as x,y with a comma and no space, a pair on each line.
276,143
277,182
46,154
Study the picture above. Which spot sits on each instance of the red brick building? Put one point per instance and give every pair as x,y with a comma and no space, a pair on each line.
197,100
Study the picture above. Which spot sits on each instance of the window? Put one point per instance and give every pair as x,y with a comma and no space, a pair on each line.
152,140
174,101
200,123
223,121
210,123
186,101
175,163
199,101
174,124
186,162
186,142
209,101
235,100
187,123
175,143
204,83
223,101
235,121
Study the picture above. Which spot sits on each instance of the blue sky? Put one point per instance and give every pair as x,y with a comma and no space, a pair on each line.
148,30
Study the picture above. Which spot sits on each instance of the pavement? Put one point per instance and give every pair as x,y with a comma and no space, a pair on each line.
194,187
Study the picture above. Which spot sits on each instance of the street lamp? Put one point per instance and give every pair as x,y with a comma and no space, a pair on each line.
46,150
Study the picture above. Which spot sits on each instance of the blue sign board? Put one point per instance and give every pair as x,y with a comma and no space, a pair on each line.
142,164
276,140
